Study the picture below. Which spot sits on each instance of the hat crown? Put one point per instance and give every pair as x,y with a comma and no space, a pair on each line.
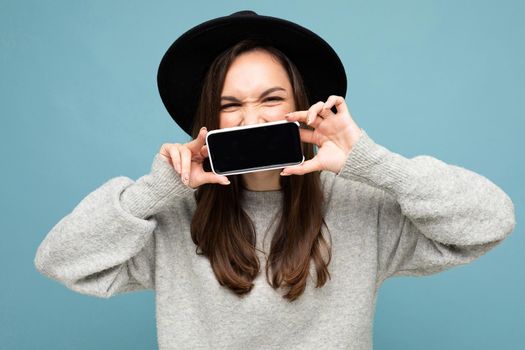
244,13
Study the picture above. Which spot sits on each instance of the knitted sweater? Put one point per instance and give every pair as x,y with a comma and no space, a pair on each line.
387,216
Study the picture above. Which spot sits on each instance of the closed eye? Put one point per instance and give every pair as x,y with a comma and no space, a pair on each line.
274,98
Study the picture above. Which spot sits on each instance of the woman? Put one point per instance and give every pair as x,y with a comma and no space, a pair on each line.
332,229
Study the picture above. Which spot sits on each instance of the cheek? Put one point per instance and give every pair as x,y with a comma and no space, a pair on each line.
278,112
228,120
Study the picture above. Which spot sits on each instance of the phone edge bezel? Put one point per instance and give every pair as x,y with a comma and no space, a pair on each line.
232,128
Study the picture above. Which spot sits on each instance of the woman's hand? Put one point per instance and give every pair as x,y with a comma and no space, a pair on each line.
334,134
187,160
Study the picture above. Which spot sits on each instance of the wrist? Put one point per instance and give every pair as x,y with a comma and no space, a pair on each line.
155,190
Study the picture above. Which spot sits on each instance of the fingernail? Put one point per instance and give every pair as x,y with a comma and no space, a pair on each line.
284,174
227,182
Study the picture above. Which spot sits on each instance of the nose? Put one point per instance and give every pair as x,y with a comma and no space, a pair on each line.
253,116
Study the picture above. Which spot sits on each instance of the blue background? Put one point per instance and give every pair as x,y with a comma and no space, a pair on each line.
79,105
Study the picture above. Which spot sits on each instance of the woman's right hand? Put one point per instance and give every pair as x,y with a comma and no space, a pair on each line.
187,161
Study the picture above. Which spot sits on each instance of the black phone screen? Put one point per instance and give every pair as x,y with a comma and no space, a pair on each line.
255,147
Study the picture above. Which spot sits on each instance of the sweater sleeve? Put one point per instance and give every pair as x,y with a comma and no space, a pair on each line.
106,245
432,215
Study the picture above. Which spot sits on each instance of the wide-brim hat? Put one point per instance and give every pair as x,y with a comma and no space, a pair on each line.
185,63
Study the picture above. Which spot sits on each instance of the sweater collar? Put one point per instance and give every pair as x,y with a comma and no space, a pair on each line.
256,199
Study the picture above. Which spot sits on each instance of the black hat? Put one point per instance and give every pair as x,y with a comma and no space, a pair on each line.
184,65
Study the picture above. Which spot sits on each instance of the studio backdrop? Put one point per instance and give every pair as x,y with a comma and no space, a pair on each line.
79,105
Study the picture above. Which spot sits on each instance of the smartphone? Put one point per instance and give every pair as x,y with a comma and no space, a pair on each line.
257,147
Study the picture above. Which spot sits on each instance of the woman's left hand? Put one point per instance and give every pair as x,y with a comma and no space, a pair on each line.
334,134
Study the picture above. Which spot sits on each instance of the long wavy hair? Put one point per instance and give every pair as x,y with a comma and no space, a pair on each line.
224,233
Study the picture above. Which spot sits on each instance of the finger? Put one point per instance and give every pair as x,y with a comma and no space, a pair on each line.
306,167
204,151
326,113
175,156
209,177
338,102
309,117
196,144
302,117
307,136
312,117
166,155
185,154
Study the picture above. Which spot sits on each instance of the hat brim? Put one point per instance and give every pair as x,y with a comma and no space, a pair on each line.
184,65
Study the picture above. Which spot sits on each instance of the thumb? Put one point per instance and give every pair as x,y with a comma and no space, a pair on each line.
209,177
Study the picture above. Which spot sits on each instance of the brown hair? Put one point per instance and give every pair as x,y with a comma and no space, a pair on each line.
224,232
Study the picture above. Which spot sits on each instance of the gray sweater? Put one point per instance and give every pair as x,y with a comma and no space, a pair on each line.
388,216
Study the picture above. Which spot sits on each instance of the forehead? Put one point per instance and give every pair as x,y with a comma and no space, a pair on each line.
255,70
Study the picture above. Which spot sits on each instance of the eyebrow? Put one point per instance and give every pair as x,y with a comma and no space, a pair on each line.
270,90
